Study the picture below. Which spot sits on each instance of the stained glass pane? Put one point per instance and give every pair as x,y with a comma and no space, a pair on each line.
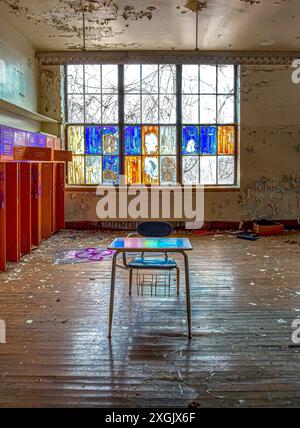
190,108
110,140
149,108
110,79
110,109
92,79
168,140
226,169
150,140
76,139
75,109
92,108
150,170
208,109
75,79
167,79
132,78
225,79
93,140
110,167
133,169
226,109
208,170
168,169
190,169
133,140
167,109
93,169
133,109
190,140
208,79
190,79
76,170
150,79
208,140
226,139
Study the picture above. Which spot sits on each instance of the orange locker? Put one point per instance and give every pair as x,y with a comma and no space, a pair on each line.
13,220
59,182
47,199
25,207
2,219
36,203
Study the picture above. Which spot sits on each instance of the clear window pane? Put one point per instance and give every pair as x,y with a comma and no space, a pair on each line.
110,113
167,79
208,79
93,109
132,77
167,109
190,79
190,109
225,109
133,109
150,108
168,140
150,79
93,165
110,79
226,170
75,79
208,170
190,169
225,79
208,109
92,79
76,109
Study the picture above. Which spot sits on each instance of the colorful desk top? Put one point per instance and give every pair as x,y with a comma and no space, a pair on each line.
151,244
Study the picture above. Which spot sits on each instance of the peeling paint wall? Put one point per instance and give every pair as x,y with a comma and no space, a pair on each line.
269,154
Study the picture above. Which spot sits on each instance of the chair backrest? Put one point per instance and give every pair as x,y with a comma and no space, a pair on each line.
154,228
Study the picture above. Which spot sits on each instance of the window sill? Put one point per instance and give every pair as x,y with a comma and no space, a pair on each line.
92,189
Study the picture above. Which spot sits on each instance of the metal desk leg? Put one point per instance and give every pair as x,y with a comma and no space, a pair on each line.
188,299
112,292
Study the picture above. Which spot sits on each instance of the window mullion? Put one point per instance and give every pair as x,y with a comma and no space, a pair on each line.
121,118
179,121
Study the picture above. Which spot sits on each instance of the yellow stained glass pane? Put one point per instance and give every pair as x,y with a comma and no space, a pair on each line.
150,170
226,140
133,169
150,140
76,139
76,170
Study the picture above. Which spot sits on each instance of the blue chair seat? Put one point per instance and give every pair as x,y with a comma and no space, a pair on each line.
152,263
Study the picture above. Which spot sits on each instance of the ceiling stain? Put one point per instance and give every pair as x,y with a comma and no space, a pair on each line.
196,5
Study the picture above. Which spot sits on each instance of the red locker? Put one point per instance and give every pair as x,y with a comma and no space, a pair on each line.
25,207
2,219
59,182
13,223
36,203
47,199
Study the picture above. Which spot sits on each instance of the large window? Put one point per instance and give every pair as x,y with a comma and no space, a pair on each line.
127,120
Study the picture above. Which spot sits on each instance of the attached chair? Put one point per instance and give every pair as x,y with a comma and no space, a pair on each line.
153,229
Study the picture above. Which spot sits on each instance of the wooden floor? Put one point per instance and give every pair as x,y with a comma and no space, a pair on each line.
245,296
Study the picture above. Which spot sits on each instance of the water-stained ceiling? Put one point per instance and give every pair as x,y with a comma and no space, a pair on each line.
157,24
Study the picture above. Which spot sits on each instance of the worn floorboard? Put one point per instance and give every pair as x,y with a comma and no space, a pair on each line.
245,296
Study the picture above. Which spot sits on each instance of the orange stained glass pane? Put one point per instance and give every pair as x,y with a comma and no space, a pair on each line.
150,140
226,140
150,170
133,169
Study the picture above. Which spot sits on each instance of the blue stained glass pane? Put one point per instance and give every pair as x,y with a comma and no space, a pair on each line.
190,140
110,167
208,140
110,140
93,140
133,140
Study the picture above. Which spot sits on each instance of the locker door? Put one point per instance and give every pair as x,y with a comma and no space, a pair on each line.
47,199
36,203
13,223
25,206
2,219
59,178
